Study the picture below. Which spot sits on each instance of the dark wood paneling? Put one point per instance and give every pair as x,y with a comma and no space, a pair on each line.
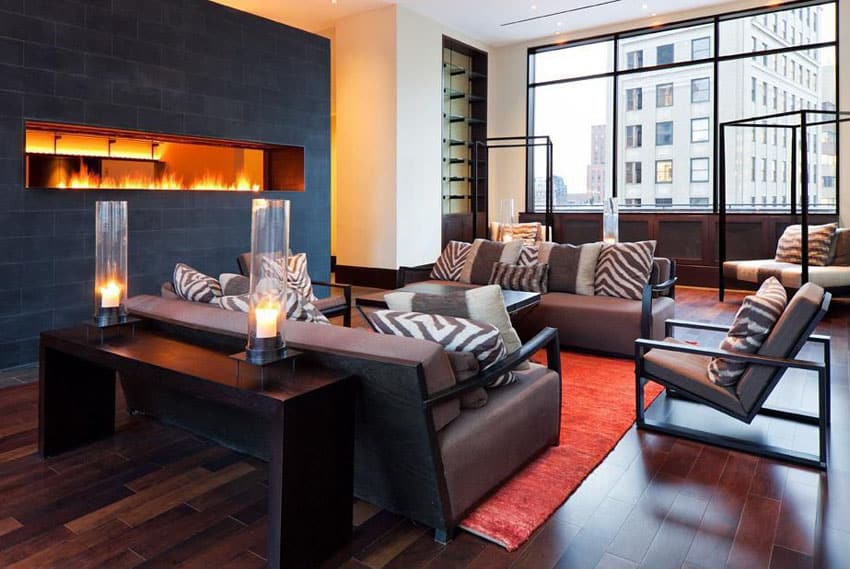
366,276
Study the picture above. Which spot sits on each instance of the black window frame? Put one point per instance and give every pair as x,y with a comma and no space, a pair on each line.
618,72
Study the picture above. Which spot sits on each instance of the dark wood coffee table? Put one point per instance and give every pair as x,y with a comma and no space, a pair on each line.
307,414
516,301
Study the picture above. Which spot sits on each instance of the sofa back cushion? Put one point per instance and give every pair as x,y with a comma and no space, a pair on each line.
839,253
483,254
572,268
790,246
624,268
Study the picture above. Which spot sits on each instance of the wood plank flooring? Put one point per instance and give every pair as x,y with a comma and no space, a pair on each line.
155,496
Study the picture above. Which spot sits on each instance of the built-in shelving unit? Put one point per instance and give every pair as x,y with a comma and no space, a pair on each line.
464,124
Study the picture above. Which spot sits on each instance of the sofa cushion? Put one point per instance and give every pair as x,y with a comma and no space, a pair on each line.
483,447
529,255
297,307
483,254
572,268
233,284
789,274
531,278
753,322
450,264
194,285
484,304
455,335
690,372
465,367
624,268
839,253
790,246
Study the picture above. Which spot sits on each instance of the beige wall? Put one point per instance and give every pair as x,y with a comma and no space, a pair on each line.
365,88
507,104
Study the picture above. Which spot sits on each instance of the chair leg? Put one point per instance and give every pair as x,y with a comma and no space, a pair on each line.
444,536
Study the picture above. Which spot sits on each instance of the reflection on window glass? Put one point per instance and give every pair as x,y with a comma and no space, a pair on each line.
663,171
664,54
700,92
664,133
664,95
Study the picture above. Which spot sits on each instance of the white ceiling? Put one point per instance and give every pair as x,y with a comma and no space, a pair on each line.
481,20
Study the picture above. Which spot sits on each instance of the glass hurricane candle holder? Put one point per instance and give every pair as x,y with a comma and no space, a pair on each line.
610,221
267,293
110,274
507,218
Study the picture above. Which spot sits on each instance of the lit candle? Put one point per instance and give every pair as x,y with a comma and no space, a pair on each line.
110,295
266,322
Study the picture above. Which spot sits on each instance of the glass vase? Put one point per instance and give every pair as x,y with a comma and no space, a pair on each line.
267,292
610,221
110,261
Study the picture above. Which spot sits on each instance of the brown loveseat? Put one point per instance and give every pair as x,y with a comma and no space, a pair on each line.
594,323
417,453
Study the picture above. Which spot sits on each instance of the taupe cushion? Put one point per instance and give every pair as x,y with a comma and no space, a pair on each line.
787,331
465,367
789,274
598,323
690,372
483,255
572,268
483,447
790,246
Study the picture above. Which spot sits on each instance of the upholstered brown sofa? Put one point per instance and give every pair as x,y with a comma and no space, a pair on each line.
417,452
595,323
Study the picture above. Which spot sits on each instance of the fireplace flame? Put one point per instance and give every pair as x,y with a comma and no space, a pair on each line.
89,180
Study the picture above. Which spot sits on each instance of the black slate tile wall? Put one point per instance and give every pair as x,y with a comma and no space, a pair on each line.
174,66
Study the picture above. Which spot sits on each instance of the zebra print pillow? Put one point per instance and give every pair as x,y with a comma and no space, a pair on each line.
482,340
790,246
451,261
533,278
296,274
297,307
194,285
530,255
752,324
623,269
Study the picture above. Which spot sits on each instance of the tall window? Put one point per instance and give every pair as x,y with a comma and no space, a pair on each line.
663,171
664,95
664,133
590,95
634,99
664,54
634,136
700,92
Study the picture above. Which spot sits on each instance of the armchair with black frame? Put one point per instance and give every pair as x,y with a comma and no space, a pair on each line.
331,306
682,369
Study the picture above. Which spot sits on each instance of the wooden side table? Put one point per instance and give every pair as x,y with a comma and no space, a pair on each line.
309,414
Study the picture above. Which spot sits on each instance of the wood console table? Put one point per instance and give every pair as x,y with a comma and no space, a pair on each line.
309,412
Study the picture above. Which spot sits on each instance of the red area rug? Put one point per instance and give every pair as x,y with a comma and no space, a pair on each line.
598,407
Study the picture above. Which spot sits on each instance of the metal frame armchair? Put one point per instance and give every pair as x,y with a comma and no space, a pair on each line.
676,366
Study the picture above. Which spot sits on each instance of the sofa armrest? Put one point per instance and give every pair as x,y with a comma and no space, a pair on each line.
408,275
546,338
650,291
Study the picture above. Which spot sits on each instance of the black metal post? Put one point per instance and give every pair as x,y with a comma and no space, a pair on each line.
721,210
804,197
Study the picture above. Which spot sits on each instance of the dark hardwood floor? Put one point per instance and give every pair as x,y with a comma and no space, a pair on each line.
155,496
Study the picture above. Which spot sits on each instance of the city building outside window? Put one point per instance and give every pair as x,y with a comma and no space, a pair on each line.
663,202
664,133
699,169
698,202
663,171
664,95
664,54
700,90
633,173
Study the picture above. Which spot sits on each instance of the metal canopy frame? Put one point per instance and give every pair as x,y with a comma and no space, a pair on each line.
515,142
801,123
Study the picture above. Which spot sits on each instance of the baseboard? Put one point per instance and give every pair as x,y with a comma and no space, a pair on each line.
696,275
365,276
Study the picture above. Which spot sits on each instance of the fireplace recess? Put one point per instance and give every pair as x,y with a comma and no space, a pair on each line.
64,156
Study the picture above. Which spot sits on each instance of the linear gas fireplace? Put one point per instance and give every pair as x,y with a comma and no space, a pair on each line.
62,156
